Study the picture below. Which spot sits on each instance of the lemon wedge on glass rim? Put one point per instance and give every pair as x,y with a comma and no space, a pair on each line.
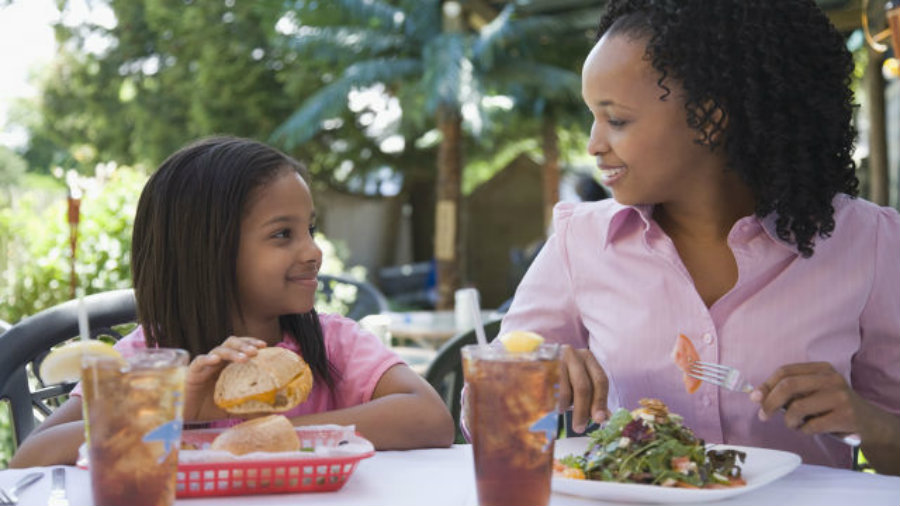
521,341
64,363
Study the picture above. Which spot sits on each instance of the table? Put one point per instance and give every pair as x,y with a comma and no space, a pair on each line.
445,477
417,357
429,329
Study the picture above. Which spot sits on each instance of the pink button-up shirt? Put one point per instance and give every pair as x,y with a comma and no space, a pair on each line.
610,279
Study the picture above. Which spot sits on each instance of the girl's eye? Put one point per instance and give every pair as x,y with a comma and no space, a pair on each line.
282,234
616,123
312,230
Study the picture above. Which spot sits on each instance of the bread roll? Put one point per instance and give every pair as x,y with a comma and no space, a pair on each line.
274,380
272,433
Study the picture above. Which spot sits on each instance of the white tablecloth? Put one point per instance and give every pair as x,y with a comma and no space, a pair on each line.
446,477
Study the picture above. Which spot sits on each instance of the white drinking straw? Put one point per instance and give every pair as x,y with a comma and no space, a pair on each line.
475,307
82,316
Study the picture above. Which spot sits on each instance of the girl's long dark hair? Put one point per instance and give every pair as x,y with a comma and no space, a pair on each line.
185,244
779,73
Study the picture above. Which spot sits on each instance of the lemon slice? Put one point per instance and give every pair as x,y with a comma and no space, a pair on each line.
64,363
521,341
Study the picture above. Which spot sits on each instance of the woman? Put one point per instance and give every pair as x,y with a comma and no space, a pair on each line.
723,131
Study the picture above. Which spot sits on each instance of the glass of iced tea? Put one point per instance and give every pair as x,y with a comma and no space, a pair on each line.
133,418
511,416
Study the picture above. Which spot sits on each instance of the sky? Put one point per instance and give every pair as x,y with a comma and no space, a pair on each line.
26,43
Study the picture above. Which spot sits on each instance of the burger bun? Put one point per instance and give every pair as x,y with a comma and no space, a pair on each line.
272,381
272,433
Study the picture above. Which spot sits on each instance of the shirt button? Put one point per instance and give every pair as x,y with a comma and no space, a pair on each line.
707,338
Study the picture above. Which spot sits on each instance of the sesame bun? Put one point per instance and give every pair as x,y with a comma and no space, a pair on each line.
274,380
272,433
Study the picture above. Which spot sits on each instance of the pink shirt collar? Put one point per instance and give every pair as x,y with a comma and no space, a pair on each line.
625,218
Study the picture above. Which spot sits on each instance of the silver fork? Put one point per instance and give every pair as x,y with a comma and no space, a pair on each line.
720,375
10,497
731,378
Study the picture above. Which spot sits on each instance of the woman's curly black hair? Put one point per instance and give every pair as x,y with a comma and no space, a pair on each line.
769,82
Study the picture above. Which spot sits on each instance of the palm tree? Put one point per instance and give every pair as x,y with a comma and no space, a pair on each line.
437,69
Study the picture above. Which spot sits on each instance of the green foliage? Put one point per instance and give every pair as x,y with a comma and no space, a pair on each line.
12,167
173,71
39,269
403,46
6,435
334,255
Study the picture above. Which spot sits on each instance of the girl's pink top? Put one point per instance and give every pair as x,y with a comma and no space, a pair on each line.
358,357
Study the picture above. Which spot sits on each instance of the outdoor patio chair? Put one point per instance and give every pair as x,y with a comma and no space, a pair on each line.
365,301
445,372
27,342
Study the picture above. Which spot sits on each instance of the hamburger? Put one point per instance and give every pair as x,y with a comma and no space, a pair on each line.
272,433
274,380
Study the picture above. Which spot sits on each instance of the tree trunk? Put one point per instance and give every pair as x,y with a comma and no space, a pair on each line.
878,157
422,199
550,169
446,220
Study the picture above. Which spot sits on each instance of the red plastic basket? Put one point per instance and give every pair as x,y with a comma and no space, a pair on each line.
268,476
264,476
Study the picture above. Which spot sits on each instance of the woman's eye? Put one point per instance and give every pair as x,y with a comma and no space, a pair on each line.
312,230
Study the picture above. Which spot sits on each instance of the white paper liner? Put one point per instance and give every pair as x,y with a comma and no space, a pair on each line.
316,441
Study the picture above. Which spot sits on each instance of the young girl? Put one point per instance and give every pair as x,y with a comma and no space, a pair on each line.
224,263
723,130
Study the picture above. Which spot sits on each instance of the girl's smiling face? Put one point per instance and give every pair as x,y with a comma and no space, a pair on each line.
278,260
645,151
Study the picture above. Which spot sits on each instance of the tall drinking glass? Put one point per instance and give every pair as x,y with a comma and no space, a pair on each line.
133,418
511,415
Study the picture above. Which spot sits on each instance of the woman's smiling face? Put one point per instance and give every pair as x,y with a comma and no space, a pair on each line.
645,151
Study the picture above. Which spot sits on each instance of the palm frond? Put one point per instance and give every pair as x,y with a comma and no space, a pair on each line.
423,20
329,101
330,43
491,36
373,12
534,78
444,58
506,33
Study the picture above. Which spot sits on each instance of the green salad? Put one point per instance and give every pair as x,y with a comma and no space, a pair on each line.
649,445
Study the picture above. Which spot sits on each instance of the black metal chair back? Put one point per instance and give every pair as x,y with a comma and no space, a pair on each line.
367,299
26,343
445,372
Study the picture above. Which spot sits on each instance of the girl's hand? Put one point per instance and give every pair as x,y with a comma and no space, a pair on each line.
583,386
204,370
816,399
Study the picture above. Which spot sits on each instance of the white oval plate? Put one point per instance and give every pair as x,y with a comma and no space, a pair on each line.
762,466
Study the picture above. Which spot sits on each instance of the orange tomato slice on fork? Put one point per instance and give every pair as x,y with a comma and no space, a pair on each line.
684,354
